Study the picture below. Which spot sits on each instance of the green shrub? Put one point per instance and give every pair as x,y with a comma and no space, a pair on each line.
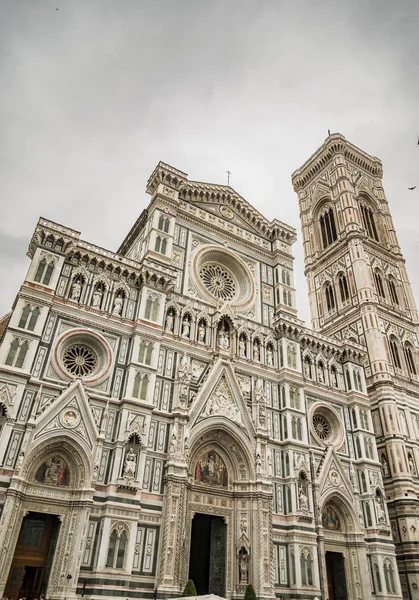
190,589
250,593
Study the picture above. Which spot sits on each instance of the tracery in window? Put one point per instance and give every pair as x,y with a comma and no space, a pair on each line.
140,386
145,352
152,307
343,288
29,318
389,576
117,546
161,244
330,297
306,564
392,286
379,284
395,355
369,222
409,354
164,223
328,227
17,353
44,272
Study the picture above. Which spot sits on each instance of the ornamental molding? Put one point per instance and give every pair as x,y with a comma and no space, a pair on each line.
220,397
70,416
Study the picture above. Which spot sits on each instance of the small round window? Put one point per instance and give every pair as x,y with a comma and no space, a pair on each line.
326,425
83,354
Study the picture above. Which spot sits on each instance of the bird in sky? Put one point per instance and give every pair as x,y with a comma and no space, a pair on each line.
412,188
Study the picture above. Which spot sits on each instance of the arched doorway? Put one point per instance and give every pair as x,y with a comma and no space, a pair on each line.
219,519
46,507
345,571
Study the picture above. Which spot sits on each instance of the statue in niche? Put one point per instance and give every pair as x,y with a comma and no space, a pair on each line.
170,319
223,339
258,464
97,298
320,373
380,508
242,347
184,375
186,327
117,307
412,467
259,390
303,500
243,566
384,465
269,356
201,332
130,463
307,369
76,290
334,378
256,351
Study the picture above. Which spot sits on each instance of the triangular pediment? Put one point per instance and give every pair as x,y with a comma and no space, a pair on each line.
332,476
220,396
228,213
321,191
69,415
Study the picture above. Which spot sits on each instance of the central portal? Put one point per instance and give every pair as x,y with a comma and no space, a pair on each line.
336,580
208,554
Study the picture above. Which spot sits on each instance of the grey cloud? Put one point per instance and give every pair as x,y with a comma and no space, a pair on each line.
96,93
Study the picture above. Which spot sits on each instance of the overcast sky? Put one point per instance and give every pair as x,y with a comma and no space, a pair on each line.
95,93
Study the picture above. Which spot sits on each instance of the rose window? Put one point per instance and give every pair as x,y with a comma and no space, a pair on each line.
80,360
321,426
218,281
221,275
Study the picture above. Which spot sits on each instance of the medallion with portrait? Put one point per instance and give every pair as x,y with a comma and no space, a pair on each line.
211,470
54,471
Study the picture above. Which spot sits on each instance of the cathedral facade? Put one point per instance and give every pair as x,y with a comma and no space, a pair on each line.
165,415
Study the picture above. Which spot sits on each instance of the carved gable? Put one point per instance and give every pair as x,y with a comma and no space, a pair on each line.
69,415
220,396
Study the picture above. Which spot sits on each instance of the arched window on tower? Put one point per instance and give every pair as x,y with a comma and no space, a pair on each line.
379,284
330,297
164,223
343,288
409,354
395,354
369,222
328,227
392,287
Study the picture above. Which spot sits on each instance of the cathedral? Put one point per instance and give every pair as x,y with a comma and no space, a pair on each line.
165,415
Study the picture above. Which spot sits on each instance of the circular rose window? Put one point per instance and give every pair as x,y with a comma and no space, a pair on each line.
80,360
218,281
221,275
83,354
321,426
326,425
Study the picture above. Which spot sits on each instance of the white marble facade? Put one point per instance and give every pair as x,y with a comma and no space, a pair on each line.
173,378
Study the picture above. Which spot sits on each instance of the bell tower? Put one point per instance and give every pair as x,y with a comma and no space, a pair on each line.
359,290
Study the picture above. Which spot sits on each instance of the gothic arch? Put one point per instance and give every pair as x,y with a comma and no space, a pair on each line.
344,508
230,441
78,461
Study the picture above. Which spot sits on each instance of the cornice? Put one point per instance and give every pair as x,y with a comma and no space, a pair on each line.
335,144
